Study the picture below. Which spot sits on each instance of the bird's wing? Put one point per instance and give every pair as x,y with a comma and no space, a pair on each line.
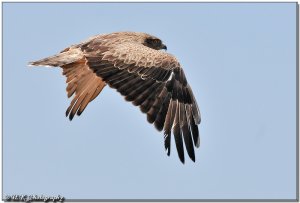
154,81
83,84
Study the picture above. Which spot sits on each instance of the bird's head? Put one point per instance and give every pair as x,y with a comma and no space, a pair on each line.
154,43
139,37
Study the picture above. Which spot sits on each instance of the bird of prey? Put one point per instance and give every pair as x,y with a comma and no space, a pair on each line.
136,66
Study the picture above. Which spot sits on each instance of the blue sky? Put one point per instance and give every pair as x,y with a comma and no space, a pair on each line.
239,58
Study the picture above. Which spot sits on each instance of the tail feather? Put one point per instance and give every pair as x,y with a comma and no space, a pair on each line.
60,59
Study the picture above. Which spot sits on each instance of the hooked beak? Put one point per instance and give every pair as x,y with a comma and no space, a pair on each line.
164,47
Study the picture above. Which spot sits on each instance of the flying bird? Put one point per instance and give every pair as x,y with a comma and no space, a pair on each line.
136,66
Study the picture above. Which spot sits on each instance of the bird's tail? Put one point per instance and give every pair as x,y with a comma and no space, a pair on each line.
60,59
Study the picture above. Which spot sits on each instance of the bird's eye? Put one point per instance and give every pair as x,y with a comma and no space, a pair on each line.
156,41
153,43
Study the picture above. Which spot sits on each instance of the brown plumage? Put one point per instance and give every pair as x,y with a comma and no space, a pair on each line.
134,65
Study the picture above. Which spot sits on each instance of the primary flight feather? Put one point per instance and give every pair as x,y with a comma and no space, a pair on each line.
134,65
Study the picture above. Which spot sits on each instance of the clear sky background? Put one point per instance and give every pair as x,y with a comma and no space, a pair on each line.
239,58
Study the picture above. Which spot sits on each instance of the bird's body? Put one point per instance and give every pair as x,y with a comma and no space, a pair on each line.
134,65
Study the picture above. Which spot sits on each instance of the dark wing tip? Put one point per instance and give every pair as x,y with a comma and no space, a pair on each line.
71,117
181,159
79,112
68,111
193,158
158,126
150,118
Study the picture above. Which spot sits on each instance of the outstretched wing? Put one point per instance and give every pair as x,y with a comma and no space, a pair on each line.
154,81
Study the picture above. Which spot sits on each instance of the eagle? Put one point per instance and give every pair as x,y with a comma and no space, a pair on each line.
136,65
